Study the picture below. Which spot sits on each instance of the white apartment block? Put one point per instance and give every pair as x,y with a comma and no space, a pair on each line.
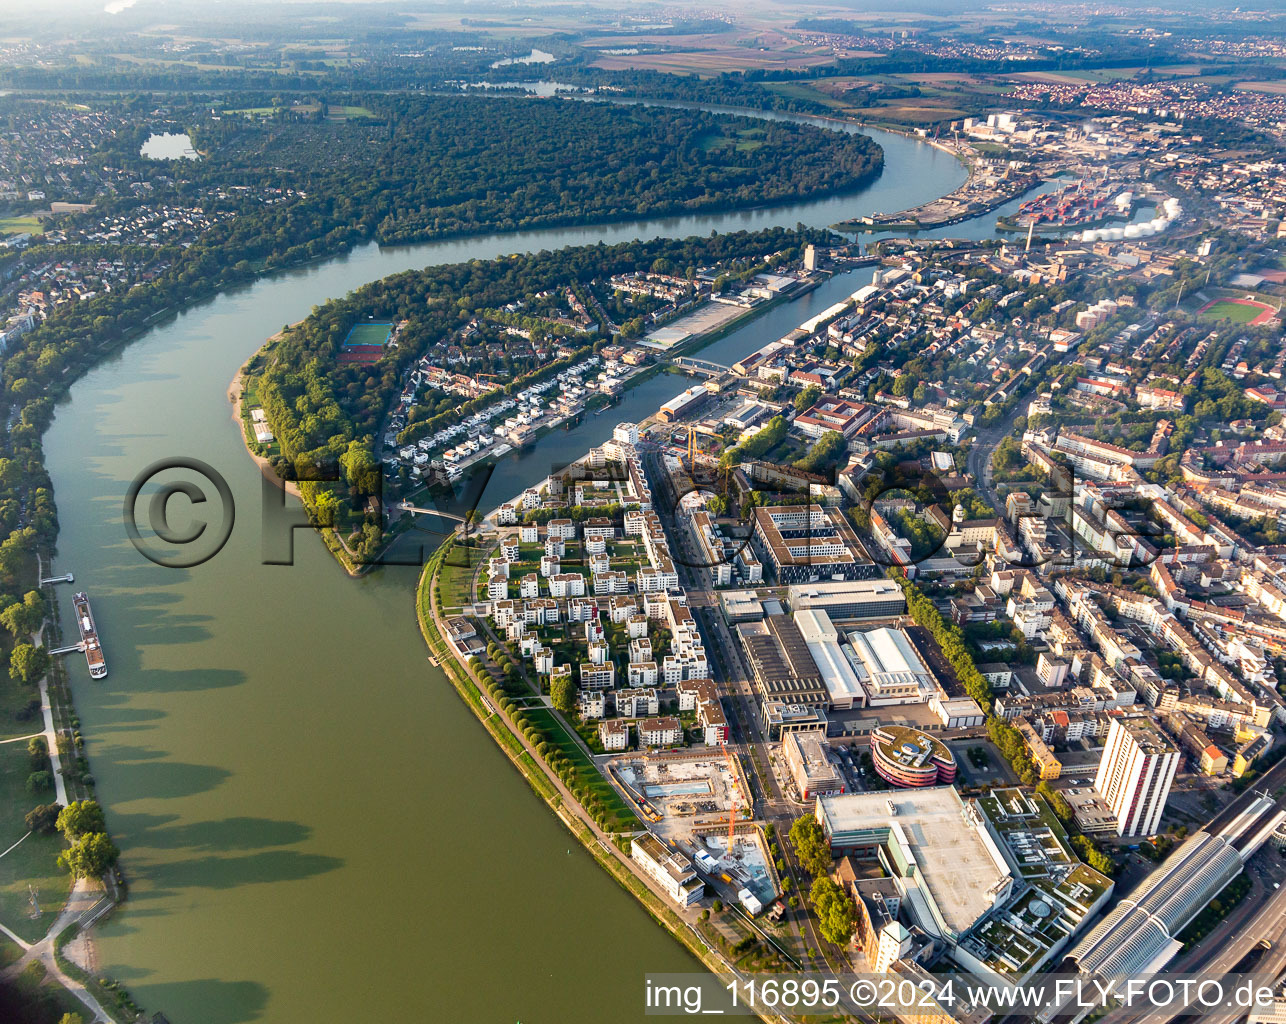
1139,764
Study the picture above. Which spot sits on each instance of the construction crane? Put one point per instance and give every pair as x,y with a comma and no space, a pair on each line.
732,789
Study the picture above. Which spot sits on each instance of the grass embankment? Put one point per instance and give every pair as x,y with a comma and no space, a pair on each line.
456,578
535,775
587,774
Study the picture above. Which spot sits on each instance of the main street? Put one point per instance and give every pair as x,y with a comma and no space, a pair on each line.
736,684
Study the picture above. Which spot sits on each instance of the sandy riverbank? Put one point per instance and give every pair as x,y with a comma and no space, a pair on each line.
236,391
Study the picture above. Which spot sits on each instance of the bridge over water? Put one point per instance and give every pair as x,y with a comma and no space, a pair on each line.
700,366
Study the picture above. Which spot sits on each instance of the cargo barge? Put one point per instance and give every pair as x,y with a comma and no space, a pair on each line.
89,637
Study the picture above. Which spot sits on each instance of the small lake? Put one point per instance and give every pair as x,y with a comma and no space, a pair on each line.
535,57
169,147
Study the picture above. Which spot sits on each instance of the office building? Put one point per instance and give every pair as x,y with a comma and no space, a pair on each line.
810,767
909,758
850,599
803,543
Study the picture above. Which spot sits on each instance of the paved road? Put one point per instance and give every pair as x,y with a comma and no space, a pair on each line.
737,685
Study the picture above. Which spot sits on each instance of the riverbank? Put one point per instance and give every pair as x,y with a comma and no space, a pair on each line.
236,395
526,759
957,206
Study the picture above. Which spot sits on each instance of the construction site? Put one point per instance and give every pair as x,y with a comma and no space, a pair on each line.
677,792
698,803
740,861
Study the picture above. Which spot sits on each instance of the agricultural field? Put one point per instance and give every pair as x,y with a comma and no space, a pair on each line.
1277,88
710,63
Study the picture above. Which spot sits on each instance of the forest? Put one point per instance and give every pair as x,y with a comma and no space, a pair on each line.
451,165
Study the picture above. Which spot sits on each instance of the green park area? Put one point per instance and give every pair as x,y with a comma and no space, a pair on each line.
456,578
33,861
586,773
25,225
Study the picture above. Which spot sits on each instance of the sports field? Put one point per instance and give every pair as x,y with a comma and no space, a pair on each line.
1239,311
368,334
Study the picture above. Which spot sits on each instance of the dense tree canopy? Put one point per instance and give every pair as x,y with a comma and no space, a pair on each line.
811,845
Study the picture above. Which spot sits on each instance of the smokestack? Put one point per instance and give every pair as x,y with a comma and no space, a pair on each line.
1030,229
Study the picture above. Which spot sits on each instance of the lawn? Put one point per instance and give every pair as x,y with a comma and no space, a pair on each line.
249,400
27,225
557,734
16,700
34,860
457,576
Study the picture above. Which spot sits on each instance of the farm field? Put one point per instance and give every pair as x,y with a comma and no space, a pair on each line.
714,62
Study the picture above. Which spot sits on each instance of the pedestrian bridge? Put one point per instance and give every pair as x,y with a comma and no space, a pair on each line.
417,510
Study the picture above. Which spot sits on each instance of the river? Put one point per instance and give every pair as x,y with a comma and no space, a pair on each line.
314,827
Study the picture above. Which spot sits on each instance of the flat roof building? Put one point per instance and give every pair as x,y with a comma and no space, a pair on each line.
833,662
672,870
850,599
781,664
780,719
811,769
1139,764
910,758
889,669
948,868
801,543
741,606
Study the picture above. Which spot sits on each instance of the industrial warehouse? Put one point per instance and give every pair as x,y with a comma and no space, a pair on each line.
805,659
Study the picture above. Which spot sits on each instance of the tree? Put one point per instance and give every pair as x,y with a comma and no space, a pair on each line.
807,398
81,818
38,782
811,845
90,856
71,1018
836,913
28,663
24,617
43,818
563,692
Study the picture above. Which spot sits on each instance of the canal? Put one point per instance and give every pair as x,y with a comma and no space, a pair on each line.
314,828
